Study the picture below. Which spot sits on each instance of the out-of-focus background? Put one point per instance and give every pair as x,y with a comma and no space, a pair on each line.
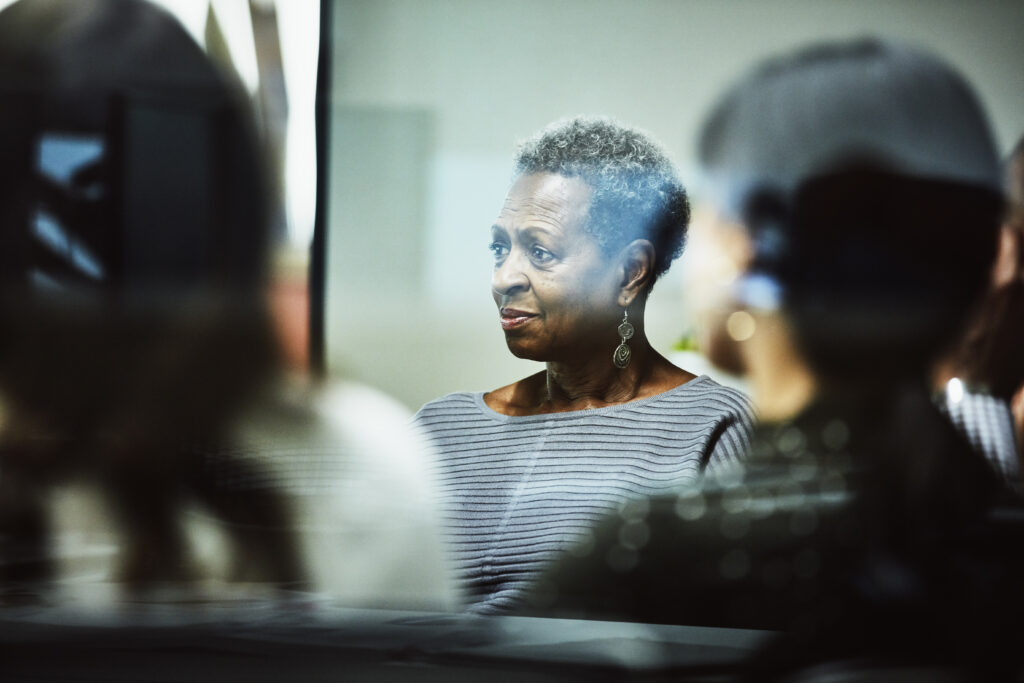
427,99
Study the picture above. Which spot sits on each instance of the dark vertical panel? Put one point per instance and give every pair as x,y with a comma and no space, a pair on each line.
18,112
318,253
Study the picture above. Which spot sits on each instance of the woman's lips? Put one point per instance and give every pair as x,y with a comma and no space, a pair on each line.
512,318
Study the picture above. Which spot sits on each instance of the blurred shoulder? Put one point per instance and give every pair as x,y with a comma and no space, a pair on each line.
361,486
350,403
341,421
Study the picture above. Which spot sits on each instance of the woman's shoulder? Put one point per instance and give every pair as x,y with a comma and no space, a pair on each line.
728,396
511,399
455,399
454,406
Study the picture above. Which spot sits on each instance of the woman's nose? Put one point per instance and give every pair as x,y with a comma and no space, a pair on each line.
509,276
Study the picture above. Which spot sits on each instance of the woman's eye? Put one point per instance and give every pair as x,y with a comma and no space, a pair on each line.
499,250
540,254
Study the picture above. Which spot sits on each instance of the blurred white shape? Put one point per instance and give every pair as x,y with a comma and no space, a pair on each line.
298,24
955,390
48,231
740,325
236,26
61,156
361,487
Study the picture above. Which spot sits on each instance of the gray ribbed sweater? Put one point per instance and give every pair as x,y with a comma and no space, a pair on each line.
516,490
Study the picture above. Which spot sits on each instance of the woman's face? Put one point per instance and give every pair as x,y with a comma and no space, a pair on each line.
556,291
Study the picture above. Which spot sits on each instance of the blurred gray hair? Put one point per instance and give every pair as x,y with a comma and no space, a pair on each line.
636,192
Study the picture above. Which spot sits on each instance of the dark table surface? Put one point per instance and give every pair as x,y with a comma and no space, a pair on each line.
309,641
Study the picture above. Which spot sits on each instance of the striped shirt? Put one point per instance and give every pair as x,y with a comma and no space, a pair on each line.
516,490
987,423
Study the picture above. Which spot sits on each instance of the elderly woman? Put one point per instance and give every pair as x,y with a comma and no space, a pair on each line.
854,197
594,216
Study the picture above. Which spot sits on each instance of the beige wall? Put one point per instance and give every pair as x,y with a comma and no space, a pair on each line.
457,82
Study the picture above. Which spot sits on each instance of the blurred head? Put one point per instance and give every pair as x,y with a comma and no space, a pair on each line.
853,190
595,215
132,231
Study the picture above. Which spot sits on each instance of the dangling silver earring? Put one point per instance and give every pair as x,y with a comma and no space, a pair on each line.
622,351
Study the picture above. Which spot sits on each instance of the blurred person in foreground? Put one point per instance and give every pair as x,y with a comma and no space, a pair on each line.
149,440
594,217
983,377
853,206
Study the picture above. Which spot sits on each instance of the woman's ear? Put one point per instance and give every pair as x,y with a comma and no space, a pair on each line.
636,261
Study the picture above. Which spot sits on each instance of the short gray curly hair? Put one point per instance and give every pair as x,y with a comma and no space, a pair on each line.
636,193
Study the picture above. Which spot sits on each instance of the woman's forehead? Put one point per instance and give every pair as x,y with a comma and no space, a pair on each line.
547,198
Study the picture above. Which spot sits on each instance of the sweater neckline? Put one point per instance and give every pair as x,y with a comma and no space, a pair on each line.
478,399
